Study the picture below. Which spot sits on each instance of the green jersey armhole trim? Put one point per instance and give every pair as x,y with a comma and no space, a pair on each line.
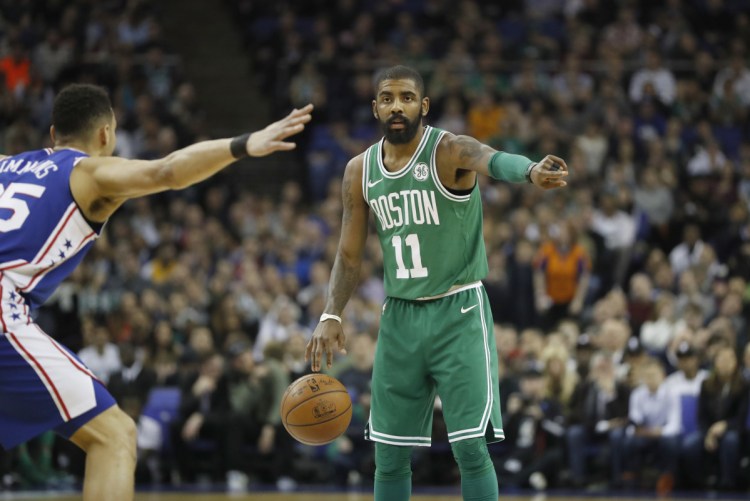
366,174
442,189
406,168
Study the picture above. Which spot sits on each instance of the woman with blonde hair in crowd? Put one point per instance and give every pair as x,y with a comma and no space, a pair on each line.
722,405
560,381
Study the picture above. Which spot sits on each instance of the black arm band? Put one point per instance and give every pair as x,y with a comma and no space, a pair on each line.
238,146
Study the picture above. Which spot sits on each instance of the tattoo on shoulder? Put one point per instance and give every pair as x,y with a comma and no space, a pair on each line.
468,148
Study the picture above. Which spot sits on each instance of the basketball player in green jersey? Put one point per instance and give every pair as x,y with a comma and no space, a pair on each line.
436,335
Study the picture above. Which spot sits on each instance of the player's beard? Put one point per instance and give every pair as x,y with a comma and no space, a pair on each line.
402,136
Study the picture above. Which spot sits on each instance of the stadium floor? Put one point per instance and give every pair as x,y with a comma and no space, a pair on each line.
328,496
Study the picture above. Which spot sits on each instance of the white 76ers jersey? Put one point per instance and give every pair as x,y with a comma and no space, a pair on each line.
43,234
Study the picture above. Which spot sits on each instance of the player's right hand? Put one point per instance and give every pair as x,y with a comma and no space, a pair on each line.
328,333
549,173
271,139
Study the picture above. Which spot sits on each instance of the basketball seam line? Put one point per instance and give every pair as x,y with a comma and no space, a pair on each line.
320,422
320,394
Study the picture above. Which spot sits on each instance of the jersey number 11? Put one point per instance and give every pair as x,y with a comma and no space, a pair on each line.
417,271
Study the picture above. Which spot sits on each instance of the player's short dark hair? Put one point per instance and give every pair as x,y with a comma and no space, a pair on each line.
399,73
78,107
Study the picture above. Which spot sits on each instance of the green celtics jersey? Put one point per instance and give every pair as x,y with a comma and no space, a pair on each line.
431,238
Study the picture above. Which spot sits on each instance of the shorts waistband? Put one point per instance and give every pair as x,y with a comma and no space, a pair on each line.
453,290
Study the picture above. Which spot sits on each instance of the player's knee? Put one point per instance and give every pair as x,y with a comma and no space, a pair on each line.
472,457
121,432
113,429
392,461
129,433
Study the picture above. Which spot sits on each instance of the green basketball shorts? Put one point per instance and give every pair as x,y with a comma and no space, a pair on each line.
442,346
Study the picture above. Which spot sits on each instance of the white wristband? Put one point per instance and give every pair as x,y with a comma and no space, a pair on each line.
328,316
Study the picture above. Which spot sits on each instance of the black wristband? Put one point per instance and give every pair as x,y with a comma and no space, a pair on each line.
238,146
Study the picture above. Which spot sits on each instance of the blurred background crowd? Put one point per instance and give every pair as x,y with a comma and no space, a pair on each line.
621,302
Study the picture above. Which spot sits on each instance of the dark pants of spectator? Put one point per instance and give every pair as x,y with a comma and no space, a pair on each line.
347,465
211,452
515,468
667,450
697,458
243,455
613,268
579,440
554,315
548,464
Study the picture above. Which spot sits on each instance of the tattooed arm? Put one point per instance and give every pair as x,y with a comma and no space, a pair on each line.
345,273
459,156
465,153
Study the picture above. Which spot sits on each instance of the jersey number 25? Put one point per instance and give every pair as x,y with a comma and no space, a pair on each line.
18,206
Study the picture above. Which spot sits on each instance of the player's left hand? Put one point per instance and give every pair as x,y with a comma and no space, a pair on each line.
549,173
271,139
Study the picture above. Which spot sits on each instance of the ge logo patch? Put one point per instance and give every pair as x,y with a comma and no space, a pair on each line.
420,171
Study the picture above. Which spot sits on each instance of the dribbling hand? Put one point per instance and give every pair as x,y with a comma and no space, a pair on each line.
271,139
328,334
549,173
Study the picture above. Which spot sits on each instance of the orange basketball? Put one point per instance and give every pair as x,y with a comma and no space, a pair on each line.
316,409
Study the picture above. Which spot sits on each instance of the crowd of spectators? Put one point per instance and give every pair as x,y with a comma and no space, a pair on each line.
116,43
645,251
617,301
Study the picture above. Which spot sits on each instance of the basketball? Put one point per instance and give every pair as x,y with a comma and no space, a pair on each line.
316,409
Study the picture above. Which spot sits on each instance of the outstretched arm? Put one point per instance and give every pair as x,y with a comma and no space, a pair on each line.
101,185
467,153
345,272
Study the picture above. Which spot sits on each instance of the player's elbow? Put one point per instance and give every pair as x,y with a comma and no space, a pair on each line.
165,174
350,258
